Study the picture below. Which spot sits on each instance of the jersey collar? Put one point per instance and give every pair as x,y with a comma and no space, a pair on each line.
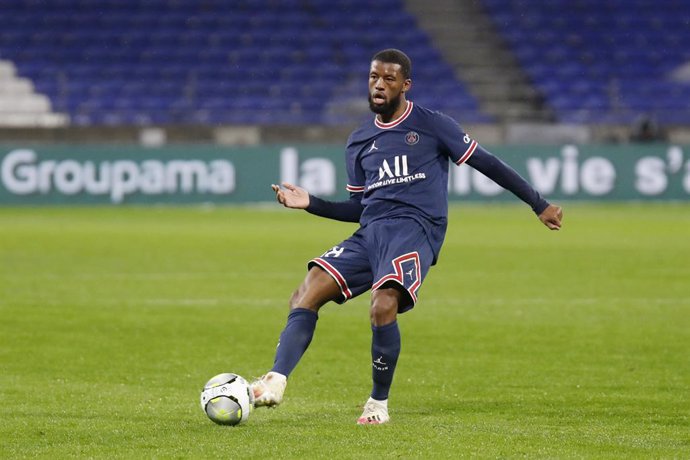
396,122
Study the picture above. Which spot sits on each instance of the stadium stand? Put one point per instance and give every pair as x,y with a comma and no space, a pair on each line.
602,62
269,62
130,62
21,105
481,59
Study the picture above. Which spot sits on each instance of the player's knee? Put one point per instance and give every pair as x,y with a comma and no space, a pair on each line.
381,314
384,306
294,299
297,300
317,289
305,297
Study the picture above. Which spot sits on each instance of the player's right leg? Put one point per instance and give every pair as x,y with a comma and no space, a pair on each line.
317,288
339,274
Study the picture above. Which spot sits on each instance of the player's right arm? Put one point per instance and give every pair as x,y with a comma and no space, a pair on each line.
350,210
292,196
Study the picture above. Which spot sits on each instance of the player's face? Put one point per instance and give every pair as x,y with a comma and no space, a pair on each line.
387,87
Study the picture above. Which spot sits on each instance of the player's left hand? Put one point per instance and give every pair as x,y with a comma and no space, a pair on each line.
552,217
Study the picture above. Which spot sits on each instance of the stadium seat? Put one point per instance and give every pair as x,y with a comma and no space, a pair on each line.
601,61
250,61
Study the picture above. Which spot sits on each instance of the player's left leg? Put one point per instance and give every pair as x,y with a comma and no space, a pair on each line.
385,349
402,259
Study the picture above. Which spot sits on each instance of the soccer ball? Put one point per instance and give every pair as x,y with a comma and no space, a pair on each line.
227,399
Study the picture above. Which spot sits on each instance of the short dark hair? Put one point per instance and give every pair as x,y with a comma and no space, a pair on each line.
393,56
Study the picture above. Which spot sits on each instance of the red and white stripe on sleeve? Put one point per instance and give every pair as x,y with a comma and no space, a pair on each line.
468,153
354,188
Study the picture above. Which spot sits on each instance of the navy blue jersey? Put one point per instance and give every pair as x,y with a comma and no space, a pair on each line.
401,168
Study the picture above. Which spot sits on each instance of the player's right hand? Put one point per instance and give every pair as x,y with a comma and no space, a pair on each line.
291,196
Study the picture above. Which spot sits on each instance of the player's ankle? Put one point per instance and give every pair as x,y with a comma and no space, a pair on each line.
381,402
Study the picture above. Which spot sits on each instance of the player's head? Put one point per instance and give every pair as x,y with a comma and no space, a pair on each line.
393,56
389,80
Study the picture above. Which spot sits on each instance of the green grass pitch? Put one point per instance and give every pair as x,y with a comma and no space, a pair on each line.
524,343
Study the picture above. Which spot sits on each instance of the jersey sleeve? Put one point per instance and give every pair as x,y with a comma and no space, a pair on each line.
355,173
505,176
348,210
458,145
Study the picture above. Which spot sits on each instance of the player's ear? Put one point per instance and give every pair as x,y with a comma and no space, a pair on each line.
407,85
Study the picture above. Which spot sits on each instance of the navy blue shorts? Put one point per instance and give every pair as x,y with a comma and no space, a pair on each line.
390,250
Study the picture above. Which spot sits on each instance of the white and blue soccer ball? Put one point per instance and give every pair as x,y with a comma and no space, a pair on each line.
227,399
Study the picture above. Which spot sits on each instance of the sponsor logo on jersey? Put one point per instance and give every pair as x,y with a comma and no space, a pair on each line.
400,165
395,171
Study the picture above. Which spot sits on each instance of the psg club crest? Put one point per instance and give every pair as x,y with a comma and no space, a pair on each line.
411,138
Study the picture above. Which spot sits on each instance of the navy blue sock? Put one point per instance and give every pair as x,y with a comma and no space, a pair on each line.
385,349
294,339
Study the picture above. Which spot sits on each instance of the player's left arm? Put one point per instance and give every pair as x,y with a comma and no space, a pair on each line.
461,148
505,176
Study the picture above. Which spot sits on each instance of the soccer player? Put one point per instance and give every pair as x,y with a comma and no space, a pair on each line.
397,169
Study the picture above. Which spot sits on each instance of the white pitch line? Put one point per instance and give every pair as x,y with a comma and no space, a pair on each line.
552,301
153,275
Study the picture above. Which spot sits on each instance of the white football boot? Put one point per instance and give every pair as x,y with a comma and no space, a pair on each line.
268,390
375,413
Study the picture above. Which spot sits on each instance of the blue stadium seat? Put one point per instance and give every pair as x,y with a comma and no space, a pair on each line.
601,61
246,61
